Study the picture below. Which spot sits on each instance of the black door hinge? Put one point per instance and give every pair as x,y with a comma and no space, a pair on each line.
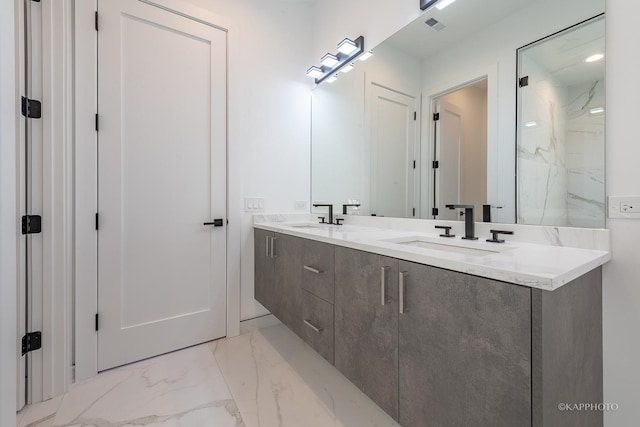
97,323
97,122
436,117
415,115
31,108
414,164
31,341
524,81
96,20
97,218
435,164
31,224
434,211
414,211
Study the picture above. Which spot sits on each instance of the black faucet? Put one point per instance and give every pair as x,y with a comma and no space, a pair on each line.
469,220
318,205
344,207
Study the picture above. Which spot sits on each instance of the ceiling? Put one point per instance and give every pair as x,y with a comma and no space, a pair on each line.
462,18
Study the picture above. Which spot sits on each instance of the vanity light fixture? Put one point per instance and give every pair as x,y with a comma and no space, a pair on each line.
347,46
329,60
441,4
366,55
596,110
347,68
342,60
314,72
531,124
595,58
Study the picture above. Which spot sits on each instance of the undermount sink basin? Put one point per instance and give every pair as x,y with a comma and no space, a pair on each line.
473,248
312,226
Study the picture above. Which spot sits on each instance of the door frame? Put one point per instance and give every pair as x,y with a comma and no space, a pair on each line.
85,184
428,139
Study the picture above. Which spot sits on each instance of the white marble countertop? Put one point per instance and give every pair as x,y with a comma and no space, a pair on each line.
540,266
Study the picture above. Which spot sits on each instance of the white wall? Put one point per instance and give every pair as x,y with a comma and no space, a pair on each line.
621,284
621,275
8,220
269,112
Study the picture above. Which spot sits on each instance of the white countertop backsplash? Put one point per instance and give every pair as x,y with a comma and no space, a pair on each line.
540,257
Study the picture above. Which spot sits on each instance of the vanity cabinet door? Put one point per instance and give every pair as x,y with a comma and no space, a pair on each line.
465,350
366,330
265,289
287,254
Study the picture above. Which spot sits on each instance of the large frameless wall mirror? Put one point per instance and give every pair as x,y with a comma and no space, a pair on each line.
561,112
432,118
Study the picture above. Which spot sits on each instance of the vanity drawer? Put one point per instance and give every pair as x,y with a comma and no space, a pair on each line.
317,328
317,269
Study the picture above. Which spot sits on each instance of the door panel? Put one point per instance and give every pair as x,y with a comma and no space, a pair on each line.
161,162
393,131
448,149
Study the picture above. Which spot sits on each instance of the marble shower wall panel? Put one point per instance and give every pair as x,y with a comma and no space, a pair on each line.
542,168
585,152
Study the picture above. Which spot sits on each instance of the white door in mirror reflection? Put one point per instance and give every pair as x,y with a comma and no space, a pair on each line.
393,153
448,141
461,150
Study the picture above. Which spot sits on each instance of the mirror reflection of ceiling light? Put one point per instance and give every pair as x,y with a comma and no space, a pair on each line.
347,46
332,78
594,58
596,110
347,68
314,72
329,60
444,3
366,55
531,124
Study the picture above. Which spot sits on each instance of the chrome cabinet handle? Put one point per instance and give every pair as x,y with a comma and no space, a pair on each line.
383,284
273,247
267,246
402,291
312,326
313,270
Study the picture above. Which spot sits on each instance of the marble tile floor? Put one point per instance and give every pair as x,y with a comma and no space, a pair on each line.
266,377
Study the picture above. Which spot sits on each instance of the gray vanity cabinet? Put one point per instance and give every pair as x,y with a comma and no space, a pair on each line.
465,350
366,324
278,258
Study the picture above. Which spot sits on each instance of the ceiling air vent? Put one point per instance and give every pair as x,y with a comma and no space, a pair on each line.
435,24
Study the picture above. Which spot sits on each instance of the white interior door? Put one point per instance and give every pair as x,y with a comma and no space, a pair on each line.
393,152
448,151
162,175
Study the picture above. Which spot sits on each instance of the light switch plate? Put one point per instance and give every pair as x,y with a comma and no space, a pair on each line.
254,204
624,207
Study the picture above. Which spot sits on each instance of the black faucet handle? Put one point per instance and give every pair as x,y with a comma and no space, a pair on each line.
322,221
494,238
339,221
446,229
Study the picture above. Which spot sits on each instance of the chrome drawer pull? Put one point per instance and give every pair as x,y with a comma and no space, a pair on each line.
267,246
273,247
312,326
402,291
313,270
383,284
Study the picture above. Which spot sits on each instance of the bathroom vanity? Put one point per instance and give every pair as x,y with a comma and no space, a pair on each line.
442,332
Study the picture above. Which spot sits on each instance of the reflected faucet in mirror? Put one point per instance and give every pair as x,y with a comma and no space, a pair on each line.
469,221
350,205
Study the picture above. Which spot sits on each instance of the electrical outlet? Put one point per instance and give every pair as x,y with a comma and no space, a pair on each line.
254,204
624,207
